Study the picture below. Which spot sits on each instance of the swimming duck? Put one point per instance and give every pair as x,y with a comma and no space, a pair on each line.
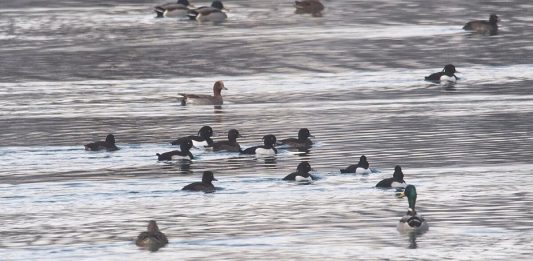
204,99
267,149
108,144
303,141
447,74
412,222
211,13
205,186
302,173
153,238
179,9
229,145
395,182
362,167
185,152
313,7
489,27
203,139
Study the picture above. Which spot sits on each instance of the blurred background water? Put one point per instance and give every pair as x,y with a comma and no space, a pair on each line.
74,71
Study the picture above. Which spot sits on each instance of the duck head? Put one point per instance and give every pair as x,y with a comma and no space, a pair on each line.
398,174
217,4
207,177
269,141
205,132
110,139
493,19
152,227
233,134
184,2
304,133
410,193
303,168
218,87
449,70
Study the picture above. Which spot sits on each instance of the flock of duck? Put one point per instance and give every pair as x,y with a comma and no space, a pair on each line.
153,238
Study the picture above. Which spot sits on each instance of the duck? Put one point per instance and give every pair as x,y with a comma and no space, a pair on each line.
489,27
313,7
179,9
395,182
231,144
211,13
153,238
362,167
267,149
183,153
205,185
412,221
108,144
446,75
302,142
302,173
204,99
203,139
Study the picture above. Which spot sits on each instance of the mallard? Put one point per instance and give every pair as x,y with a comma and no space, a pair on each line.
179,9
204,99
152,239
108,144
411,222
211,13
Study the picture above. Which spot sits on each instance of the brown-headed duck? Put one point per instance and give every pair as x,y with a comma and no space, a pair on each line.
204,99
153,238
489,27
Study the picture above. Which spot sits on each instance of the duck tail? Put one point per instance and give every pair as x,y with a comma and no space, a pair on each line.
160,12
192,14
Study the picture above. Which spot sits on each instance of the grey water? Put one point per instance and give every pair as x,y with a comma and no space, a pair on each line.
73,71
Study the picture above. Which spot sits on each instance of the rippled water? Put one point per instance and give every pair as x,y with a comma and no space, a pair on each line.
74,71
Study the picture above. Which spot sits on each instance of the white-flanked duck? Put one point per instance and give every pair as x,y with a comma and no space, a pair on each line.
313,7
213,13
231,144
395,182
489,27
362,167
302,142
268,149
205,185
108,144
446,75
412,222
203,139
183,153
204,99
302,173
179,9
152,239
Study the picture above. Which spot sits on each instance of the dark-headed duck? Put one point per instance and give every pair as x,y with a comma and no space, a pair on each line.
203,139
489,27
302,173
205,185
411,221
229,145
211,13
152,239
395,182
302,142
108,144
362,167
204,99
447,74
184,153
268,149
179,9
313,7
